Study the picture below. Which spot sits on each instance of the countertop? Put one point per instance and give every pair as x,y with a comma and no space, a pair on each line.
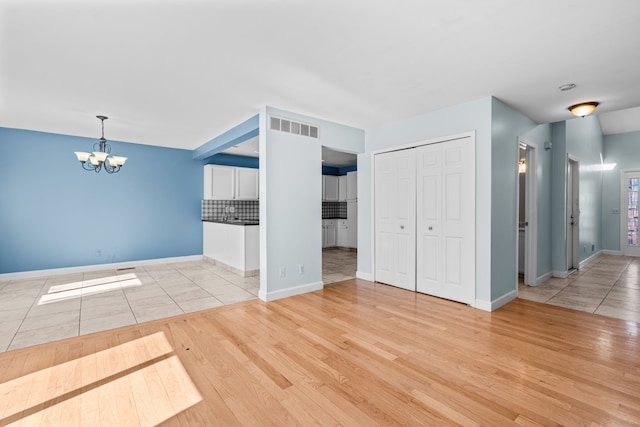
234,221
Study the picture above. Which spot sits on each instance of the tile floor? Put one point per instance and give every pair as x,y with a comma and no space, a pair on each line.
34,311
338,264
610,286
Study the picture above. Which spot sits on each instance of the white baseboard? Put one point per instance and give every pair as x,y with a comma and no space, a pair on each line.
590,259
289,292
608,252
364,276
560,274
543,278
96,267
496,303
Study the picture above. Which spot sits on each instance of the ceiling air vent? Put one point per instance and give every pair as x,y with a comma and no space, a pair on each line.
296,128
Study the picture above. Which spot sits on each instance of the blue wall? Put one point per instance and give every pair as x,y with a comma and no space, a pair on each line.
582,139
507,125
624,150
233,160
55,214
332,170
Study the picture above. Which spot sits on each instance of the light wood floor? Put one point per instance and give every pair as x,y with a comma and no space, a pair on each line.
355,353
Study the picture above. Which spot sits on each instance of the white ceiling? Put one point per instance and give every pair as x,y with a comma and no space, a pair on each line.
179,72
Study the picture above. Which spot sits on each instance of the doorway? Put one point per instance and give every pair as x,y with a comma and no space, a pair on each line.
573,213
629,233
339,215
527,211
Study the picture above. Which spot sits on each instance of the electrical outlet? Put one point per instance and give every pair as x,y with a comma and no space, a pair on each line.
283,272
99,252
301,269
615,211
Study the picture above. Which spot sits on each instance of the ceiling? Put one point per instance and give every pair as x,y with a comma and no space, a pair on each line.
177,73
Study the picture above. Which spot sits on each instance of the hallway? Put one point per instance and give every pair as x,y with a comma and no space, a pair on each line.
610,286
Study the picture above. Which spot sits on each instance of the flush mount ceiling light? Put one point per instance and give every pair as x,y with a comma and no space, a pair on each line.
583,109
100,158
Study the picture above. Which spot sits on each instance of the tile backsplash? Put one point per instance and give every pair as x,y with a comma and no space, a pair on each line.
250,209
334,210
243,209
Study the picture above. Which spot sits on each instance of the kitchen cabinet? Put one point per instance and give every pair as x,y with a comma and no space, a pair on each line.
342,188
352,185
329,233
329,188
230,183
236,247
246,184
342,234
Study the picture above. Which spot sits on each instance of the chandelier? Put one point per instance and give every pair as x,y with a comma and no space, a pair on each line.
101,156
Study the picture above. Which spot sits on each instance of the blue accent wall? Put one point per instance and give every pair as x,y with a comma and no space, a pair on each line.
233,160
54,214
332,170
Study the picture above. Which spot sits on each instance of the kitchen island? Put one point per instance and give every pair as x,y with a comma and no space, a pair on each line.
233,244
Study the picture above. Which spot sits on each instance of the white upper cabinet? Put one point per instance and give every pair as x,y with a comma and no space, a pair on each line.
342,188
330,188
352,185
230,183
246,184
219,182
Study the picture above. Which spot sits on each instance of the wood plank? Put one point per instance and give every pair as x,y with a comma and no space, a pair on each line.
355,353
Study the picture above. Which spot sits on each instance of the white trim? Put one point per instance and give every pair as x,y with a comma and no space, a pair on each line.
609,252
364,276
590,259
546,276
289,292
97,267
470,134
575,233
531,208
498,302
560,274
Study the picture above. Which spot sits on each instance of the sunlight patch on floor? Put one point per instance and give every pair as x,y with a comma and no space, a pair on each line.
142,379
89,287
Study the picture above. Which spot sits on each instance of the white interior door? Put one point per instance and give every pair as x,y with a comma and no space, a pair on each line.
395,210
629,192
445,247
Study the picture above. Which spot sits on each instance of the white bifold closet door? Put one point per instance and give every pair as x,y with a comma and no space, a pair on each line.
440,200
445,229
395,218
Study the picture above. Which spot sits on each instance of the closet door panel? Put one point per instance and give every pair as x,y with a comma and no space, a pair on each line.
395,219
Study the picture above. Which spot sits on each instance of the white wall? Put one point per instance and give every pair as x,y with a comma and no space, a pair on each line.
291,202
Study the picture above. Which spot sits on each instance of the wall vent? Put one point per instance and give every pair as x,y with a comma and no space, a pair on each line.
296,128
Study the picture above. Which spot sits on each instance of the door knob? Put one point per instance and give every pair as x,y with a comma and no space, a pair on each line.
402,227
430,228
